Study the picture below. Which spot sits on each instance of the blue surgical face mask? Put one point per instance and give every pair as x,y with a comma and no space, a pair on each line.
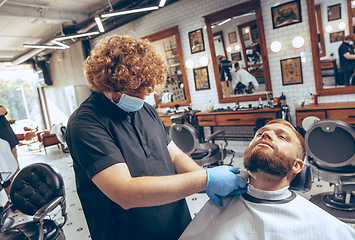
128,103
351,43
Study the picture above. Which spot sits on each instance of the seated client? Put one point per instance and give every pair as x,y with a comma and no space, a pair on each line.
269,210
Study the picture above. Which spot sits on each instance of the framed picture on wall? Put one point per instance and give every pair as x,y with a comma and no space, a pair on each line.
196,41
236,56
336,36
291,71
246,36
202,80
286,14
254,33
232,37
334,12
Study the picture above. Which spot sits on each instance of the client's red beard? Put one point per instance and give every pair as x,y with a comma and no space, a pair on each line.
275,163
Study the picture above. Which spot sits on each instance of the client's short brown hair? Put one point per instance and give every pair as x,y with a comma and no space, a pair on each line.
301,154
123,63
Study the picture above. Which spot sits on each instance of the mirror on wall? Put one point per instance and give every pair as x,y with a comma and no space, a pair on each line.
335,17
236,35
176,91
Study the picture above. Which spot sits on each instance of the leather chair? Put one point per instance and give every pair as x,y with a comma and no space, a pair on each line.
186,138
37,190
47,139
331,154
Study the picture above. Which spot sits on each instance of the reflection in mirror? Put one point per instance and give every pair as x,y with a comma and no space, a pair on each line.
321,43
219,44
167,43
330,81
248,77
174,86
242,72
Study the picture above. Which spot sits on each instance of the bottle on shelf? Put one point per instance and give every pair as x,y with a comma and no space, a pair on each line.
282,99
261,104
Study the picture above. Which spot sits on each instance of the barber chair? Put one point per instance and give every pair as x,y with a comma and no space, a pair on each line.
60,131
186,138
8,168
37,190
331,154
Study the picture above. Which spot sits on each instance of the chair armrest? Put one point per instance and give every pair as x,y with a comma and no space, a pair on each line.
213,136
43,211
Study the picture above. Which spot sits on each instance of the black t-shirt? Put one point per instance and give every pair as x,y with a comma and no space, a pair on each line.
99,135
346,64
6,132
224,68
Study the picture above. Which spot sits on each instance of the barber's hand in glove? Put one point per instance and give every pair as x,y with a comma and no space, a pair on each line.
222,181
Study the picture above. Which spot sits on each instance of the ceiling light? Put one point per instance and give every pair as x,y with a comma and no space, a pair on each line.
111,14
99,24
223,22
237,47
76,36
229,49
203,61
189,63
60,44
276,46
162,3
298,42
328,28
42,46
246,30
342,25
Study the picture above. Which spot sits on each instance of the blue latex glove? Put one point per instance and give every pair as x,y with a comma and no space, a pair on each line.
222,181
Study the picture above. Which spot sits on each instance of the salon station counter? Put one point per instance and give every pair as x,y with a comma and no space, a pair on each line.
342,111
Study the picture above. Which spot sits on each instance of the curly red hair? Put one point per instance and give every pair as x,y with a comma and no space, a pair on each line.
123,63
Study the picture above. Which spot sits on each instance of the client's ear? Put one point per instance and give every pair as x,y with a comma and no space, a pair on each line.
297,166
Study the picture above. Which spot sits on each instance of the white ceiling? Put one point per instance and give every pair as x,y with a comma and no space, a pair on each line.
37,21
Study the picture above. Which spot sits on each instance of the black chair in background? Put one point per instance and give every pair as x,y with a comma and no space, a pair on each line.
331,154
186,138
37,190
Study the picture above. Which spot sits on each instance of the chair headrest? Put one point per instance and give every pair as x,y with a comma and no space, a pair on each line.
331,144
303,180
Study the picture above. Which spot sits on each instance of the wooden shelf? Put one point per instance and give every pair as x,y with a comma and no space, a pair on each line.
174,65
173,57
171,49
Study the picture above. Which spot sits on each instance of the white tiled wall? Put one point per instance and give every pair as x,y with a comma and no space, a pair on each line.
188,15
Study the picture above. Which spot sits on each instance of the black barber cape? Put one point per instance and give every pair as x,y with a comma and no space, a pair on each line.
100,134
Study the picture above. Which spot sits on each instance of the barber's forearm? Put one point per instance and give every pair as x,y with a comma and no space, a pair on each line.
184,164
154,191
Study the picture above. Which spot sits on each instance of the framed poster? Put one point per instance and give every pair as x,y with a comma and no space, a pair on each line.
254,33
291,71
246,36
286,14
202,80
334,12
232,37
196,41
236,56
336,36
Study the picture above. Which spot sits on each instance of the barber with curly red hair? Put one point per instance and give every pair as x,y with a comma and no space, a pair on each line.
131,178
